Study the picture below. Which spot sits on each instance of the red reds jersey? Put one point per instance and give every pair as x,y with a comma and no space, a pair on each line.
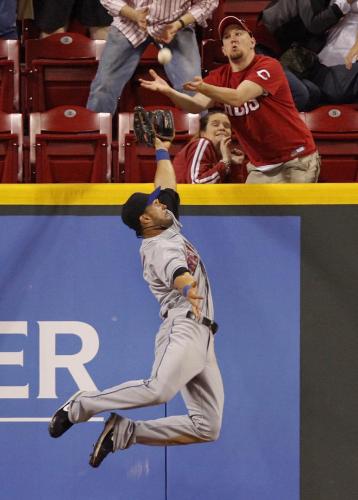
199,163
269,127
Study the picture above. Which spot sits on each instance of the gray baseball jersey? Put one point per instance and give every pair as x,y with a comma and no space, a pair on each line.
164,254
184,360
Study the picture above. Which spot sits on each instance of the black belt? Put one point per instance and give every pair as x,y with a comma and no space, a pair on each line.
203,320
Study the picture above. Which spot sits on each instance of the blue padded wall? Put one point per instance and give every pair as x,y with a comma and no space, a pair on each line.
86,269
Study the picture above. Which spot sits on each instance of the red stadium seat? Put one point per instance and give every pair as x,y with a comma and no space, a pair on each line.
243,9
28,29
140,164
59,70
335,131
211,55
9,75
70,144
136,162
11,142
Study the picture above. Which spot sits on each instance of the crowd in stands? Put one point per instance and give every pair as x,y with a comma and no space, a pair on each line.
256,109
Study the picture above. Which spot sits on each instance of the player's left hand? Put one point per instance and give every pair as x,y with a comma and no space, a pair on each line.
195,301
160,144
194,85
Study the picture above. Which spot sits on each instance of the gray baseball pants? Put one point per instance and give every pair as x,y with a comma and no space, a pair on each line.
185,361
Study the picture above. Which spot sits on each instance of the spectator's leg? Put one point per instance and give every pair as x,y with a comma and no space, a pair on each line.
306,95
117,65
92,14
52,17
304,169
255,176
338,84
62,29
98,32
186,62
8,29
315,94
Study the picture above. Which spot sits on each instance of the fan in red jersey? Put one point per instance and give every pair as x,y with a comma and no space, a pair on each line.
210,157
255,94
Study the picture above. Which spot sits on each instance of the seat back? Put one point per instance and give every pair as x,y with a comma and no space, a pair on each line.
11,147
243,9
140,163
248,10
135,95
335,131
70,144
59,70
9,75
212,55
137,161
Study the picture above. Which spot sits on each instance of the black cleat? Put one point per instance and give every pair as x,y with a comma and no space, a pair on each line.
60,422
104,444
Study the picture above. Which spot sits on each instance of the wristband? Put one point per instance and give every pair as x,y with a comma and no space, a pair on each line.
182,23
185,290
162,154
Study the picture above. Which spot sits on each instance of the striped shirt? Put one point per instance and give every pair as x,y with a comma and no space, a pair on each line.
160,12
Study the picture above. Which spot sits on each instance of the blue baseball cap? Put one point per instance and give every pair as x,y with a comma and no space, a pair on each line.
134,207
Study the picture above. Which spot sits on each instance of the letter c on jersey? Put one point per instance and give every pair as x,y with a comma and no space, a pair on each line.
264,74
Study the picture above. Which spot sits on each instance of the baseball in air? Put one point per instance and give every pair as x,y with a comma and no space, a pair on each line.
164,55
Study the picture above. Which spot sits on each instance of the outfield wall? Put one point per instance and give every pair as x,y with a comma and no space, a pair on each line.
75,312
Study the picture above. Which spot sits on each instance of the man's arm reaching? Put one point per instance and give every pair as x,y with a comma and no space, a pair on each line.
234,97
192,104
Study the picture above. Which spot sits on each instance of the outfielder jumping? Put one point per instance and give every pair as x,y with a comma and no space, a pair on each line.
185,359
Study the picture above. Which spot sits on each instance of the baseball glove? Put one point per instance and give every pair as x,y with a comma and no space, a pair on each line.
150,124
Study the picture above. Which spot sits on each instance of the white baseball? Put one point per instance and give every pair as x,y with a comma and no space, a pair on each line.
164,55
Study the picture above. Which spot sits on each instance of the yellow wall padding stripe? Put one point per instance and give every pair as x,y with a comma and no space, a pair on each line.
225,194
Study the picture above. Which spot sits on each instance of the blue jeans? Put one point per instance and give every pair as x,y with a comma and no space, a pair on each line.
306,94
8,29
338,84
120,60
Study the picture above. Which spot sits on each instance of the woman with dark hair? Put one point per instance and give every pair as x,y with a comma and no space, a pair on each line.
209,158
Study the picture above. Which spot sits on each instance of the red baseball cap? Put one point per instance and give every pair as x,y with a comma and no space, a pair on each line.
224,23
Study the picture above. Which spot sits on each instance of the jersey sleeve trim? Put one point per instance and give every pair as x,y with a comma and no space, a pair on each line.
179,272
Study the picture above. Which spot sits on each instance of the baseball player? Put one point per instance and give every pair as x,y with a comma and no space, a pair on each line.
256,95
184,348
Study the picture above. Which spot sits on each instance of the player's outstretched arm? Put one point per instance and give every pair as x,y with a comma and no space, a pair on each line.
192,104
165,173
187,286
